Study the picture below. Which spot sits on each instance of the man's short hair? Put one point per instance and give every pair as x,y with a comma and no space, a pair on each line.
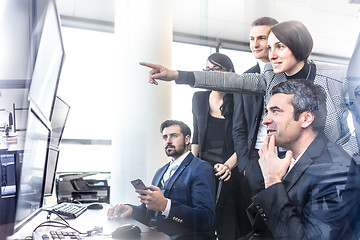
185,130
264,21
307,97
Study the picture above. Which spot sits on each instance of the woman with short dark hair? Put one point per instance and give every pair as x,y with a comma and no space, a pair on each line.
296,37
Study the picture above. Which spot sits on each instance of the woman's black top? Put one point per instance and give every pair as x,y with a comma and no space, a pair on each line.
214,147
308,72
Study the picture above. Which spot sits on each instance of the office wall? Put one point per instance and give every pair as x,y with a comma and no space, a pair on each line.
16,55
15,39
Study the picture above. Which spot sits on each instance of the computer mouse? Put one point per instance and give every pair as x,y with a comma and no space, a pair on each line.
95,206
127,231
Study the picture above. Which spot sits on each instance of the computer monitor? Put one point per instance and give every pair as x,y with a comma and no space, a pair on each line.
50,170
30,191
48,64
7,173
9,176
58,120
46,59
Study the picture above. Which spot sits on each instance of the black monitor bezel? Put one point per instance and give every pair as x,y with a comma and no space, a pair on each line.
63,123
52,182
22,222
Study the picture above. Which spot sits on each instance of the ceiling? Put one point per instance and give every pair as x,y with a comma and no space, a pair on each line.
333,23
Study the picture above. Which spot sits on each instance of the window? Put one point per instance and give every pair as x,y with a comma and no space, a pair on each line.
85,84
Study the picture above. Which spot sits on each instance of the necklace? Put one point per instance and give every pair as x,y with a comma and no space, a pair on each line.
307,77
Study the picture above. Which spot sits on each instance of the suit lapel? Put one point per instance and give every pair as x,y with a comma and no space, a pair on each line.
257,68
253,69
203,115
259,102
297,171
177,173
306,160
160,175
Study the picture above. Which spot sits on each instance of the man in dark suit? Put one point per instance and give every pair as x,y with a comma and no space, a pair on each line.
181,199
248,132
310,192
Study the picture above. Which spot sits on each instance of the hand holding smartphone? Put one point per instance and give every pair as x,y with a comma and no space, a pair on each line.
138,184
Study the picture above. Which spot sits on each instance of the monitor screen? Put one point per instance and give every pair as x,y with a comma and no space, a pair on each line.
9,176
58,121
48,64
7,173
30,191
50,170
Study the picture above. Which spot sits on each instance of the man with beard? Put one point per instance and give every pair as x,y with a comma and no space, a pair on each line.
181,199
310,193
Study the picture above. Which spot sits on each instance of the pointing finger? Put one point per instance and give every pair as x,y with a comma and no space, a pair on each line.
150,65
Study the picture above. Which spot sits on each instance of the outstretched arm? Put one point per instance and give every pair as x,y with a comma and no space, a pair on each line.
160,72
247,83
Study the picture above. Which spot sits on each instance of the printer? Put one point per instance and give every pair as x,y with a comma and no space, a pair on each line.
82,187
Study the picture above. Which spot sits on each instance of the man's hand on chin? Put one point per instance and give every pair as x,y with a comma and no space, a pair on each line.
272,167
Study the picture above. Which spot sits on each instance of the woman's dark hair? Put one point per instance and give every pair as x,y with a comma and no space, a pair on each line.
296,37
221,60
228,105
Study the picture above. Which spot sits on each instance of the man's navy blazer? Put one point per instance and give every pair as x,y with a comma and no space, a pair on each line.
192,192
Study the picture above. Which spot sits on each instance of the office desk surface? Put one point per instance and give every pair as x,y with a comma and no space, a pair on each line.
88,221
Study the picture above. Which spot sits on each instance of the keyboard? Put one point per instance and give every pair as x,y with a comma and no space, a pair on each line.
72,210
61,234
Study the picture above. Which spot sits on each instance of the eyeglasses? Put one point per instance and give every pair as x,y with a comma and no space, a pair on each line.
215,68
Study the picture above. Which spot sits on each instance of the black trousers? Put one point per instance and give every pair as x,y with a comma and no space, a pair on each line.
231,220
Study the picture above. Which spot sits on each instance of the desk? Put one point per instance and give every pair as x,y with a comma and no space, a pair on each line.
87,221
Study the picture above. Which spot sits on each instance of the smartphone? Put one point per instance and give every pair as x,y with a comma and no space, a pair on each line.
138,184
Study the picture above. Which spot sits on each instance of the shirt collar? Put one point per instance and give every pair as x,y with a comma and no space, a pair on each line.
300,155
261,65
181,158
295,160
